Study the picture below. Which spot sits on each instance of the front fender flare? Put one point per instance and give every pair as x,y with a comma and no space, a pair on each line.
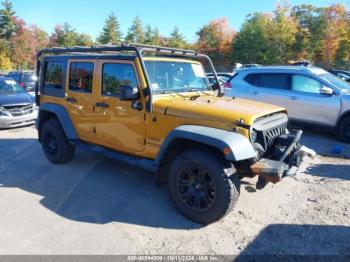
240,147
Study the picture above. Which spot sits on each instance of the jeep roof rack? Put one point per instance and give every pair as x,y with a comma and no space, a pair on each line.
138,49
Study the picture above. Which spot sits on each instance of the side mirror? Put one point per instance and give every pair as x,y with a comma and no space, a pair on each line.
129,93
326,91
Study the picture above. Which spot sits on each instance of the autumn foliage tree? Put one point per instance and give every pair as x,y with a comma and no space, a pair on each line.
215,39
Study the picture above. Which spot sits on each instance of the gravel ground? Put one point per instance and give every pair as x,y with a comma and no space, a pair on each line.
96,205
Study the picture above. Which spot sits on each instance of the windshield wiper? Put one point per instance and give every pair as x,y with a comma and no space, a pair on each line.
162,92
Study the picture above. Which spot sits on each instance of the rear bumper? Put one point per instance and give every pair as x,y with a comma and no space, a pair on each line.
287,164
11,121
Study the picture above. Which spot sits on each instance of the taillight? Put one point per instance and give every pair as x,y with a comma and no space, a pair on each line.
227,85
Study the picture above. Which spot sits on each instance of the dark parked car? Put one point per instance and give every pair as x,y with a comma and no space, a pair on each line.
17,107
224,78
342,74
25,79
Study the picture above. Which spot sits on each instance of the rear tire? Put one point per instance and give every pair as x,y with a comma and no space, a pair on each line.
344,130
54,142
203,185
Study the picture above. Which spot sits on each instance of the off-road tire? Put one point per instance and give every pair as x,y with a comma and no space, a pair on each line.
222,173
54,142
344,130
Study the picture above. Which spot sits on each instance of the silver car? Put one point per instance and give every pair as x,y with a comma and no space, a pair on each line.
310,94
17,107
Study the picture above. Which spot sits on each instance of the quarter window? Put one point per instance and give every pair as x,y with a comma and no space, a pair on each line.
269,80
305,84
53,75
115,76
81,76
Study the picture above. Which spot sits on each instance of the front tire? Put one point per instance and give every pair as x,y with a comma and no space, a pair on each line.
344,130
54,142
203,185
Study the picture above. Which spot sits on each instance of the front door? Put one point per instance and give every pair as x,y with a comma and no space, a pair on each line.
118,125
79,99
306,104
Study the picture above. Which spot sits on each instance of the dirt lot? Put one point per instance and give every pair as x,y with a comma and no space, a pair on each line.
95,205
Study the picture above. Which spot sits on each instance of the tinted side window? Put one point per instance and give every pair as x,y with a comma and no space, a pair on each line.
269,80
81,76
115,76
305,84
53,75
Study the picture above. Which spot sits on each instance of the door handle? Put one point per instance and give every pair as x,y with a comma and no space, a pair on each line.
102,104
255,92
71,100
294,98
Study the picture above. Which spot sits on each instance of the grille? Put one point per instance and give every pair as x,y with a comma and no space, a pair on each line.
20,110
272,134
270,128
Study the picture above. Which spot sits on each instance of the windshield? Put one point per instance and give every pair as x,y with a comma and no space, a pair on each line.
170,76
340,84
10,87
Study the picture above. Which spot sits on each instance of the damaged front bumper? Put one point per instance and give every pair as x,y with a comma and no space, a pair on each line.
285,162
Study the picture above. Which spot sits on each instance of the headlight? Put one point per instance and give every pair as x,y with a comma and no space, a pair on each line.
253,136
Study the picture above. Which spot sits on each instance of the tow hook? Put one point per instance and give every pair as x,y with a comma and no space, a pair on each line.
305,151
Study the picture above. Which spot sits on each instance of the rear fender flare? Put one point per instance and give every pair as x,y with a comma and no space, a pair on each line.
63,117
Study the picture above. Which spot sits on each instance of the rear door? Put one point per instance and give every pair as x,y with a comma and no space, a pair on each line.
79,99
306,104
270,88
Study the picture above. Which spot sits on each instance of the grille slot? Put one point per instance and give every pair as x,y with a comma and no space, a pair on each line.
20,110
270,135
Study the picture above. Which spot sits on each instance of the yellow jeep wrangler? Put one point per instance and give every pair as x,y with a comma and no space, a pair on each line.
154,107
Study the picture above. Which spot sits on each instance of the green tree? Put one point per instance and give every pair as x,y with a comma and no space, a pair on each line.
152,36
67,36
177,40
7,28
85,40
7,25
310,37
136,32
111,33
282,36
252,44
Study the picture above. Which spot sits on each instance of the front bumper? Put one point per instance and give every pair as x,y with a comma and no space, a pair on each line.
286,163
16,121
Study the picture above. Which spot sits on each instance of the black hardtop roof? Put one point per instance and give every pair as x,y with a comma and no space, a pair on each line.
90,56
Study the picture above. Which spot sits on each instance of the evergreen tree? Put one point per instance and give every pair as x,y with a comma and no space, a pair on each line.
136,33
176,39
111,33
152,36
7,25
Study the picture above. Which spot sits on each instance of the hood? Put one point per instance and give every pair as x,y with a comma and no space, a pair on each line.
214,108
15,98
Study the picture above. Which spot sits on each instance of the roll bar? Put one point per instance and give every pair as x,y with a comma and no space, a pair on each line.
137,49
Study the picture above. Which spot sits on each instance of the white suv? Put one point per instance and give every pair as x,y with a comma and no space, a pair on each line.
310,94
